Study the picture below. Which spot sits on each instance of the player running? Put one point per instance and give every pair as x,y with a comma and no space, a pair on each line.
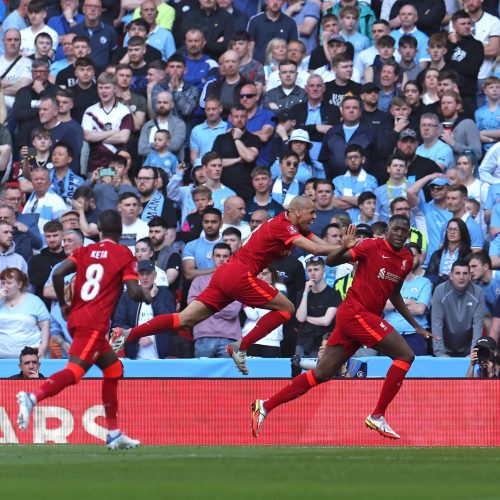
382,268
101,269
237,280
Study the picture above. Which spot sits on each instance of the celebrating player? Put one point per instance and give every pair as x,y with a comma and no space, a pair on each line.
101,269
382,268
237,280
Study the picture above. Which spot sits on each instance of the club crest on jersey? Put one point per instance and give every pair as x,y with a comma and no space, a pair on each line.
292,230
383,274
403,264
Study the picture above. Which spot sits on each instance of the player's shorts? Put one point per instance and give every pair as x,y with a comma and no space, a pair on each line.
354,329
230,283
88,345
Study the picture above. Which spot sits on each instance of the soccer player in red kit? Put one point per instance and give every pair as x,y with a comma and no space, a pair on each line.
237,280
101,269
382,268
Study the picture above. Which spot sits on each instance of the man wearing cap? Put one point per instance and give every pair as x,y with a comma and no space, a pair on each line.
272,23
435,212
371,114
418,166
457,313
130,313
316,116
203,135
483,354
288,94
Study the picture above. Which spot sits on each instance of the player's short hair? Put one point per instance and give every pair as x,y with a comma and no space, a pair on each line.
106,79
210,156
260,171
232,231
385,41
482,257
13,273
66,145
400,217
136,41
158,222
36,6
221,246
365,196
460,188
202,190
110,223
354,148
28,351
212,211
52,226
408,40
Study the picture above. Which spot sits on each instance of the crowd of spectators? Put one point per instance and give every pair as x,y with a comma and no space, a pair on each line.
198,120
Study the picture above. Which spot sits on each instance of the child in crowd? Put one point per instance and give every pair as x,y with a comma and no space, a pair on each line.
407,47
385,48
37,12
191,229
349,17
37,156
161,157
488,116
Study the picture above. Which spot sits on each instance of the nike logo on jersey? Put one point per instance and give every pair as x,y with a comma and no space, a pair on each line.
385,257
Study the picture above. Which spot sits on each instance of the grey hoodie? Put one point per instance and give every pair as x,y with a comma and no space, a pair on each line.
11,259
457,318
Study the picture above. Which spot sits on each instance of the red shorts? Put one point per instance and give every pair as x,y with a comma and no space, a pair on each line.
354,329
88,345
230,283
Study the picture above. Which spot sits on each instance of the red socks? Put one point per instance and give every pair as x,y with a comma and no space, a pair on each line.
158,324
55,384
393,382
264,325
110,401
297,387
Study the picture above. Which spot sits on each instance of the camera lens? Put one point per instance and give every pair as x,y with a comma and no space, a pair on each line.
483,355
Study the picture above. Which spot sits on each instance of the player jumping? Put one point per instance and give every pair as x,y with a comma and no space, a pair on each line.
237,280
101,269
382,268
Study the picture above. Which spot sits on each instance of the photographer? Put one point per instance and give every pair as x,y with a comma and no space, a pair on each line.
483,354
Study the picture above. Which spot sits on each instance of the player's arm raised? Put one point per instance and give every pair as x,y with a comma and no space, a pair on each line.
341,254
313,245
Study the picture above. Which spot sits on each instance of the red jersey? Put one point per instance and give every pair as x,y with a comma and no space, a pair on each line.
380,270
270,241
101,269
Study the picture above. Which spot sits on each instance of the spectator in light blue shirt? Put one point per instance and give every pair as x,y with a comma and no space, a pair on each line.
483,276
456,197
203,135
161,157
416,292
433,147
355,181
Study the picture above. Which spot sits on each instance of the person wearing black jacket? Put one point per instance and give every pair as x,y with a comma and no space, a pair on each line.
130,313
430,14
214,22
465,56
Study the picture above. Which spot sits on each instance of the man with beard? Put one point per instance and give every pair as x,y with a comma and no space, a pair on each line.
164,255
165,119
154,204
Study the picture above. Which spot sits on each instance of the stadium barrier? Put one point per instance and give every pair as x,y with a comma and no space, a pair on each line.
444,412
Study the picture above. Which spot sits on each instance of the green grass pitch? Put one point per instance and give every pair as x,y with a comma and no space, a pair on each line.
153,472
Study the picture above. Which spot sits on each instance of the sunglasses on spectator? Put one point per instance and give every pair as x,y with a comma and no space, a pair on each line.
437,188
313,260
247,96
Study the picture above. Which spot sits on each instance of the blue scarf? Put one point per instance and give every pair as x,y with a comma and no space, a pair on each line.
154,208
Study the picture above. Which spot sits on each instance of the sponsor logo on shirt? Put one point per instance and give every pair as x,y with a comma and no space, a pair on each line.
387,275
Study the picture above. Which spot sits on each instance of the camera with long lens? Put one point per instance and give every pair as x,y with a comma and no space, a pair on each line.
486,347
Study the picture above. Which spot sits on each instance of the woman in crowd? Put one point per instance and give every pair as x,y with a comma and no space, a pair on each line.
457,245
275,53
429,86
475,188
144,250
24,319
300,144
